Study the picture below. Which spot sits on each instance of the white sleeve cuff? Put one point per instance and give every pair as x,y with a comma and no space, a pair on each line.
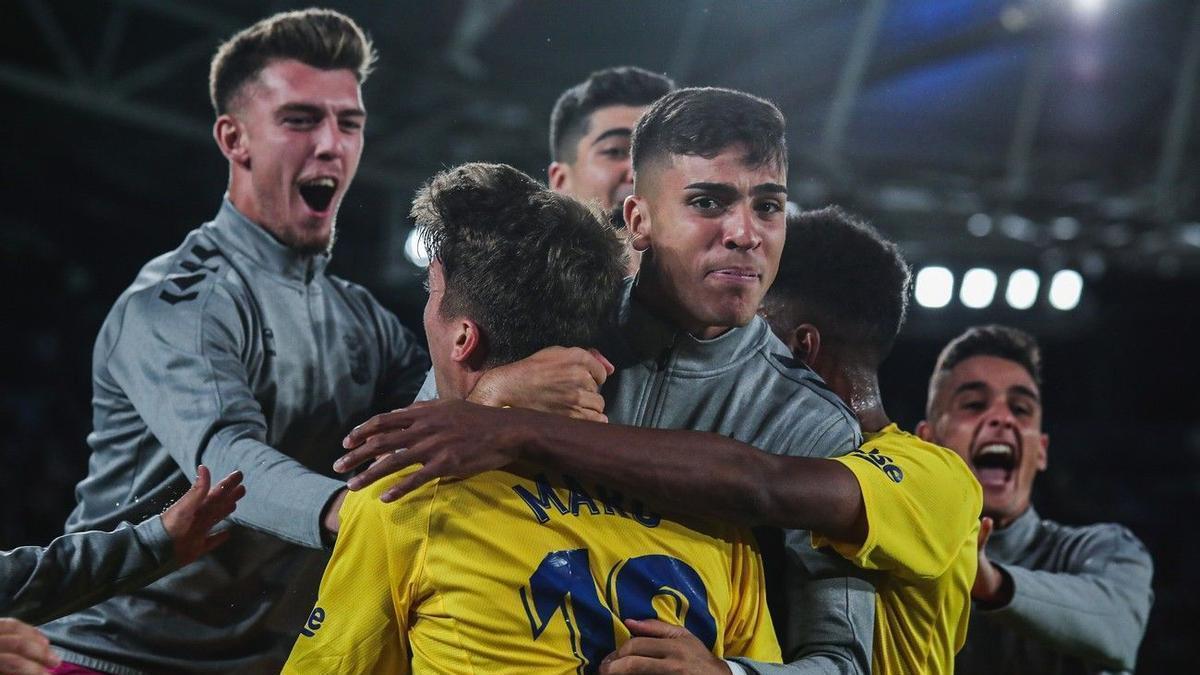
735,668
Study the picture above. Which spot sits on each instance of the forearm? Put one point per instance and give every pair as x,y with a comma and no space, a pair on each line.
283,497
78,570
1098,619
705,473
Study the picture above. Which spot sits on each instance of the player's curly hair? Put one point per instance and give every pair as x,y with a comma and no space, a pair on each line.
840,274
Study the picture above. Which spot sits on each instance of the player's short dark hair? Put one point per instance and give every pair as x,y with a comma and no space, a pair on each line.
705,121
321,38
840,274
1002,342
622,85
532,267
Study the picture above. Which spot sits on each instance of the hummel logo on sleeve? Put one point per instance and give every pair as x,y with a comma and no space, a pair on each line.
314,622
882,461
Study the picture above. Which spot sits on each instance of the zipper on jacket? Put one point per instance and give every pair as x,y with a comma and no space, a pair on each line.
658,386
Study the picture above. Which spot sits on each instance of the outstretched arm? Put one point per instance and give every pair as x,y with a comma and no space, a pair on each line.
76,570
700,472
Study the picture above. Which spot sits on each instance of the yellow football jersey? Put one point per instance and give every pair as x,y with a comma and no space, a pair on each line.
523,572
923,506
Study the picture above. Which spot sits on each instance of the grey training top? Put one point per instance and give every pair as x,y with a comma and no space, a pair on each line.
238,352
38,583
746,385
1081,598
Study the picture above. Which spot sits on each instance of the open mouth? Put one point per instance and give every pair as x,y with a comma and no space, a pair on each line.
994,464
318,193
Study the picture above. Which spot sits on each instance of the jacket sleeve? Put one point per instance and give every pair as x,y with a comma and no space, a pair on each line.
831,603
182,368
831,622
920,518
1097,611
38,584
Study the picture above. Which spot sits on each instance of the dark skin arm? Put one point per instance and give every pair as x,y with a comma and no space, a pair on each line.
698,472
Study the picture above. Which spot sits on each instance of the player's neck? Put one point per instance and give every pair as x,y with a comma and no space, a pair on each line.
457,382
858,387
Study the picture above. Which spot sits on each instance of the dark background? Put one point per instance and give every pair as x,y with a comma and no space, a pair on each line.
1068,129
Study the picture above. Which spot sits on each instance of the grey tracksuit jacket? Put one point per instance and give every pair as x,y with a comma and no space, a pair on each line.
746,385
40,583
240,353
1081,598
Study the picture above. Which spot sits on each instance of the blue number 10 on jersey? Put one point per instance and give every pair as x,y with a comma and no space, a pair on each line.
563,581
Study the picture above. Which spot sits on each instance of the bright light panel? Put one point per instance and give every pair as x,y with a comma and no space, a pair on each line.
935,287
1066,287
1022,289
978,288
414,249
1089,9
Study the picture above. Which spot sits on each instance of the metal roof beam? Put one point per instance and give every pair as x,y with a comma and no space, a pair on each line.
851,80
1175,139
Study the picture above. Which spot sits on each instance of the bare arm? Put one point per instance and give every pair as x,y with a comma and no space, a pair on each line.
700,472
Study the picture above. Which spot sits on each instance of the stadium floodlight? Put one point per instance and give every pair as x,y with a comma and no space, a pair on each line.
935,287
1022,289
979,224
1066,287
1089,9
978,288
415,250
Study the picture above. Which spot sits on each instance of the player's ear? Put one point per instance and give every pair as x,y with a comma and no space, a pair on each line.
925,431
805,343
558,175
231,139
1043,458
469,346
636,212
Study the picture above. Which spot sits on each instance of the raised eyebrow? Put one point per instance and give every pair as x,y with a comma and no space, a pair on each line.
624,132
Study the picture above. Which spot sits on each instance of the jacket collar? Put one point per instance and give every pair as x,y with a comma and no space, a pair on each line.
235,233
649,336
1008,543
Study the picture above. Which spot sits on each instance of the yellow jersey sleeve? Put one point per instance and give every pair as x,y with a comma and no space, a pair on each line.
361,615
750,632
920,499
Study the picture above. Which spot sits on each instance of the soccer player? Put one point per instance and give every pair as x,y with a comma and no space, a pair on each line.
1049,598
691,353
239,351
525,570
838,303
590,130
